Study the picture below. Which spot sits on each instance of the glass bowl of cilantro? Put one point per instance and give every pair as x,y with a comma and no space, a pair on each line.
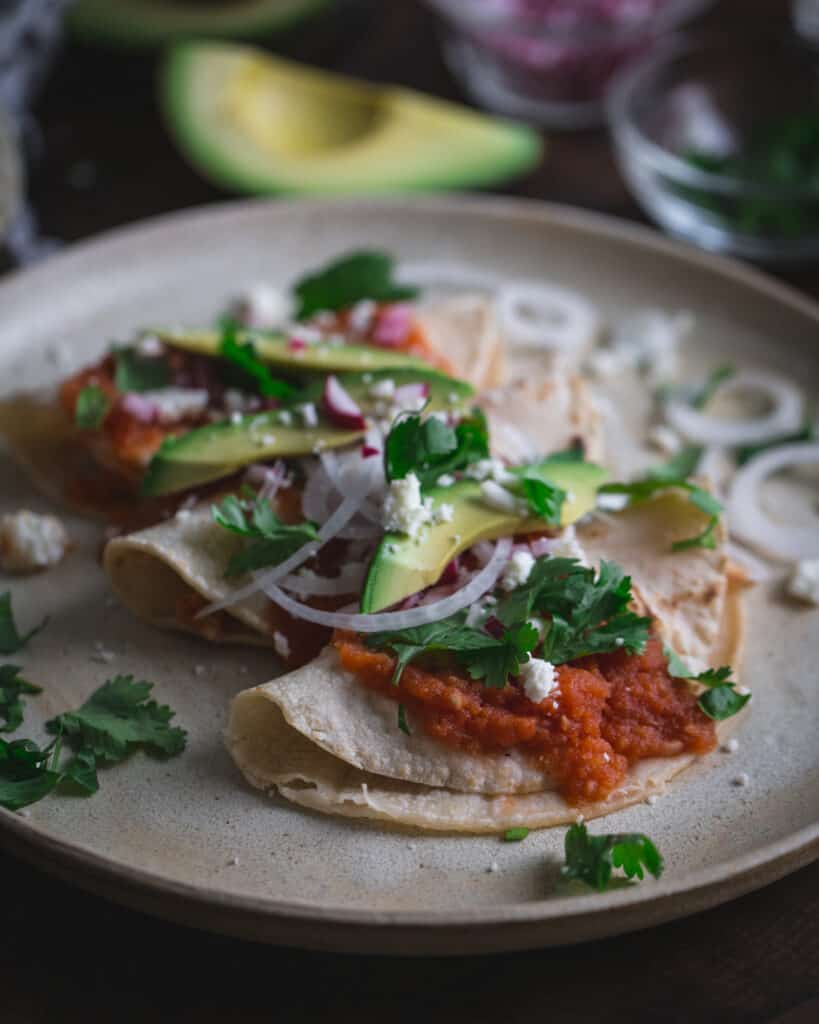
719,141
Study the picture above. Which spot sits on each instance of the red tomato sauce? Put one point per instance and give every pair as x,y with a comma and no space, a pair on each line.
606,713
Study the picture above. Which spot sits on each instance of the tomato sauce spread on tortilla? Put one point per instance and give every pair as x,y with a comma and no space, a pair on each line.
606,713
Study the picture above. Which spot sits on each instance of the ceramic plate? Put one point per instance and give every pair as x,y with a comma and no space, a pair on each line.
188,839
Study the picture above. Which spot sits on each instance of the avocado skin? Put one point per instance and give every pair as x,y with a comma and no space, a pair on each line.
401,567
143,24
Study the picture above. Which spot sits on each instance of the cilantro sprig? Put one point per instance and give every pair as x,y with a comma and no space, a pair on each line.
592,859
431,448
91,408
11,639
674,475
247,370
117,719
363,274
12,689
720,699
270,540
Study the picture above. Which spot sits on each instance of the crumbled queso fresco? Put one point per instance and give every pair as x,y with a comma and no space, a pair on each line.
175,404
804,581
539,678
517,570
29,541
405,511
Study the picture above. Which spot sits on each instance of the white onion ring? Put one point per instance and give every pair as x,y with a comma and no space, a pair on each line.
563,320
701,428
348,581
420,616
357,490
747,519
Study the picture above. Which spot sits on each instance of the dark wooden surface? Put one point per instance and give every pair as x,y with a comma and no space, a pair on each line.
67,956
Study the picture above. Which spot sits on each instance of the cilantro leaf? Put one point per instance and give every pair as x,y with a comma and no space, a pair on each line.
25,775
430,448
119,717
364,274
135,372
11,640
703,396
12,686
271,541
81,770
91,408
720,700
515,835
250,370
403,725
545,499
591,859
674,475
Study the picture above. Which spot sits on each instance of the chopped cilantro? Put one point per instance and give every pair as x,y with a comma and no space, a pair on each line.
12,687
674,474
365,274
248,369
430,448
135,372
720,700
91,408
545,499
591,859
703,395
271,541
11,640
515,835
403,725
114,721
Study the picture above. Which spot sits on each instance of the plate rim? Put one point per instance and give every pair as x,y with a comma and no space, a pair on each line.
532,922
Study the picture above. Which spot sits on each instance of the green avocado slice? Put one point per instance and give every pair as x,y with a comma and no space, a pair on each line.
275,349
401,566
220,449
138,24
255,123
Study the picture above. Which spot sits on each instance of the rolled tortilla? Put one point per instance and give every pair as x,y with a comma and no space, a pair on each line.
322,740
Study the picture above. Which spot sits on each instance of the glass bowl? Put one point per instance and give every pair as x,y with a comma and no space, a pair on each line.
551,61
719,142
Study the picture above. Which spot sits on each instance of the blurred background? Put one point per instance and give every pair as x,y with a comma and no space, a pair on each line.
701,116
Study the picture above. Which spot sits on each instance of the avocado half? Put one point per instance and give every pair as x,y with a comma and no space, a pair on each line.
141,24
259,124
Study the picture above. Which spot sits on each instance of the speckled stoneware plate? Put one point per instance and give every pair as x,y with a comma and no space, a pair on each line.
162,836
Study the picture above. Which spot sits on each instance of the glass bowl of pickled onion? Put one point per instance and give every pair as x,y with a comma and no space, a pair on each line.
551,61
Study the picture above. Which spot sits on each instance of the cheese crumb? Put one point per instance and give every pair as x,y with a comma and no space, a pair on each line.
384,388
405,511
445,480
730,746
309,414
499,498
361,315
29,541
260,305
493,868
281,645
539,679
566,545
517,570
490,469
444,513
175,404
804,582
741,780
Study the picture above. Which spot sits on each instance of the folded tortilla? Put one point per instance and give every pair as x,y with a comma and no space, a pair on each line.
159,571
323,740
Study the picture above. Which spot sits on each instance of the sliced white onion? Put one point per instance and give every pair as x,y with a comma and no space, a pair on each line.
702,428
747,518
310,584
271,478
539,315
479,584
358,486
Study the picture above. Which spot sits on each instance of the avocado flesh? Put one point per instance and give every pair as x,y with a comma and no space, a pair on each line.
401,566
259,124
138,24
220,449
274,349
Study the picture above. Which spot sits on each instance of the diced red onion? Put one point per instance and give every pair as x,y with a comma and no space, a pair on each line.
368,450
142,409
536,314
494,627
393,324
479,584
747,518
450,574
340,407
296,344
703,428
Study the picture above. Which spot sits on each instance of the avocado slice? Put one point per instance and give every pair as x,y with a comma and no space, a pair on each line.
402,566
138,24
259,124
274,348
219,449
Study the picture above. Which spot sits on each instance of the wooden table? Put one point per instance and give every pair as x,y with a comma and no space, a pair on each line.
67,956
